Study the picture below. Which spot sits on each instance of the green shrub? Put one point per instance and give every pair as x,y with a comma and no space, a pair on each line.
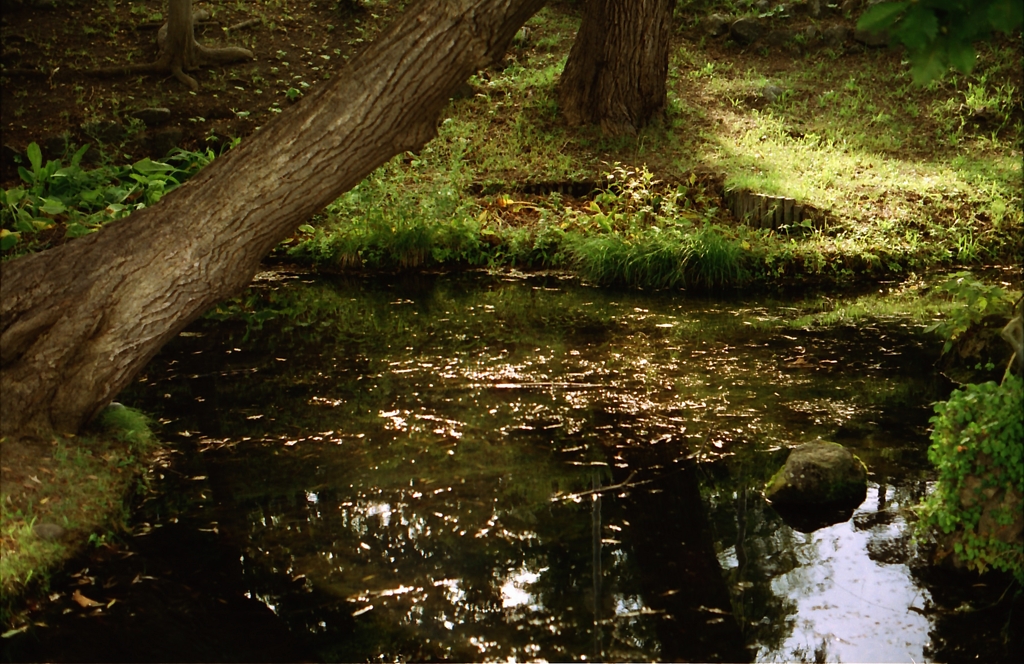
978,450
978,300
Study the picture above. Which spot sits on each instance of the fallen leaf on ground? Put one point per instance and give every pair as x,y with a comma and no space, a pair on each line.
84,601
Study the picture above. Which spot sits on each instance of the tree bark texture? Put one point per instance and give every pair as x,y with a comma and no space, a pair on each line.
618,66
79,321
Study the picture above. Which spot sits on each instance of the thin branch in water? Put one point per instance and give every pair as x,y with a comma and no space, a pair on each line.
611,487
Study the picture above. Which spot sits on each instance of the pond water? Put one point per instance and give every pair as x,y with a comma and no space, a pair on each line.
488,468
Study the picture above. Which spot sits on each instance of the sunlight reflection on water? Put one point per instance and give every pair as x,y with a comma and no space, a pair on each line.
861,608
449,500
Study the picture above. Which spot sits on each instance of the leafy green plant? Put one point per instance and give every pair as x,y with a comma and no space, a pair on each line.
978,451
631,191
978,300
63,202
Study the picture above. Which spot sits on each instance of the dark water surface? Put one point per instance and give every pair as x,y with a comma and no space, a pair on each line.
482,468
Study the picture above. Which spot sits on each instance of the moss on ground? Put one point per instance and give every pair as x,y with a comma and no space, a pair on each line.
61,495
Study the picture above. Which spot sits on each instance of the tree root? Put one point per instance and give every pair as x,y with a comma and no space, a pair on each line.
166,63
177,61
208,56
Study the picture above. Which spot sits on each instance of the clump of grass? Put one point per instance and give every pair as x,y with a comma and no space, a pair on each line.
127,425
657,258
396,235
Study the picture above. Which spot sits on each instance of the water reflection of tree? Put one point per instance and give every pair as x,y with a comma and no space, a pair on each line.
756,548
492,522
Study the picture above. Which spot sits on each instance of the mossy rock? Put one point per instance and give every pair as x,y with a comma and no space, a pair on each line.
819,476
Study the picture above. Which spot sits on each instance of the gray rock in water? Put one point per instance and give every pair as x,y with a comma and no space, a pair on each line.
819,476
153,116
716,25
747,30
872,39
50,532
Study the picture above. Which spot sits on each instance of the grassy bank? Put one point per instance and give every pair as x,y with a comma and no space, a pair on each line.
900,178
60,496
895,179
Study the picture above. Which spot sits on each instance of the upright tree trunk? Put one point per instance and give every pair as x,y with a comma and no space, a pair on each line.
177,39
618,66
79,321
179,50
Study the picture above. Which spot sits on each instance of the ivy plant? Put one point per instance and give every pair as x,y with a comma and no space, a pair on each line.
978,451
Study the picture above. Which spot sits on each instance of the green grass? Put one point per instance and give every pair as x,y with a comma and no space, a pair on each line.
656,258
907,179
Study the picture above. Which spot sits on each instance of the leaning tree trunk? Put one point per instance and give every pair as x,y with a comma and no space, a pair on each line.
618,66
79,321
